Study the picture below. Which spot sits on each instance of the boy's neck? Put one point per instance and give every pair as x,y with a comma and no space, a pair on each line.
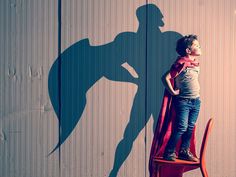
191,57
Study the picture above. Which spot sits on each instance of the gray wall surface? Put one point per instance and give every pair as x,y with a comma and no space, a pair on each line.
31,39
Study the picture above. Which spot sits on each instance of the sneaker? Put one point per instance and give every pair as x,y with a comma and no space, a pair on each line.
170,156
185,154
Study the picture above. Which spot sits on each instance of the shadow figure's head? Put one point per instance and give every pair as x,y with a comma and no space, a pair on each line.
150,14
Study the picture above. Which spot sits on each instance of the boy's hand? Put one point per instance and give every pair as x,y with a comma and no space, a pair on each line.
175,92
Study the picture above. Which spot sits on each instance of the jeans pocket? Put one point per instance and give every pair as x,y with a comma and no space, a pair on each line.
199,101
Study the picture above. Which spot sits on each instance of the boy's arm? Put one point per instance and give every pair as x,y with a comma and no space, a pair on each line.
166,79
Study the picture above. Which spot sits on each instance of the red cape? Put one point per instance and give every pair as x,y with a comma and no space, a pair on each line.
164,128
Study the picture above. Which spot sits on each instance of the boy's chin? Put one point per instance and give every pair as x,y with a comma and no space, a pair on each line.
198,54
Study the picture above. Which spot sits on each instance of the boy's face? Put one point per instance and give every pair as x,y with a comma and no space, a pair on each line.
195,49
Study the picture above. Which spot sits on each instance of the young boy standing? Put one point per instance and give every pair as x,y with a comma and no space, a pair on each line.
186,96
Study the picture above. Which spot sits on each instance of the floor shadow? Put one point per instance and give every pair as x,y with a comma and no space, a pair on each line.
149,51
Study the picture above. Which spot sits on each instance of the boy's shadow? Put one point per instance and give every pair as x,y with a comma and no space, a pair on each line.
149,51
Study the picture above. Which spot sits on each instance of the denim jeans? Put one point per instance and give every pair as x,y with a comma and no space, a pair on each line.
187,110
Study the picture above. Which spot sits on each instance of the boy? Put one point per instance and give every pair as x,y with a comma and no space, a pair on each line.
186,96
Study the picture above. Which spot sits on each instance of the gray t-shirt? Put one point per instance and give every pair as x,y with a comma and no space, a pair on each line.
187,82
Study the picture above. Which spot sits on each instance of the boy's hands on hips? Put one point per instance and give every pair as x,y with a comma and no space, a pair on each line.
175,92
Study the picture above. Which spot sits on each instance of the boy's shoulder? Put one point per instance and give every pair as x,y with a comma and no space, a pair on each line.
186,61
180,64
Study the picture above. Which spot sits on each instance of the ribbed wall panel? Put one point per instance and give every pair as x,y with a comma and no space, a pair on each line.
29,45
28,124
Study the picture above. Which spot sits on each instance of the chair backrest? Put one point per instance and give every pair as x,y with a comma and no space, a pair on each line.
205,138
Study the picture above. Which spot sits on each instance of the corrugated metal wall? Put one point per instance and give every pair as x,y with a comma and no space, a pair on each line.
122,90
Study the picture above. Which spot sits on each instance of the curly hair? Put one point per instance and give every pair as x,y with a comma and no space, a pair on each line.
184,43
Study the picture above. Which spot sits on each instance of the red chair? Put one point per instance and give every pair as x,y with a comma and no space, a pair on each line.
200,163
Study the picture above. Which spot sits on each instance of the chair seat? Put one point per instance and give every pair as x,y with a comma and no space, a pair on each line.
180,162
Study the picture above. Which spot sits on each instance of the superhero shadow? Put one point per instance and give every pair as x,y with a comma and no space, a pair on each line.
149,51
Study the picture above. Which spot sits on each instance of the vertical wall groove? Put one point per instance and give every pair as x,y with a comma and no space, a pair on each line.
59,81
146,88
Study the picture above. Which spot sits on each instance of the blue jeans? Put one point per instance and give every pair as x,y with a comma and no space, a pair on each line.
187,110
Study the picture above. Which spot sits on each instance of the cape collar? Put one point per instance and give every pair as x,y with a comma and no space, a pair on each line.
187,62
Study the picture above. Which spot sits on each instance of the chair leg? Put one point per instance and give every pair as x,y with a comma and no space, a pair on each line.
204,171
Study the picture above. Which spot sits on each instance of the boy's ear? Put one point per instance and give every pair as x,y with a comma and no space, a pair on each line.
188,51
